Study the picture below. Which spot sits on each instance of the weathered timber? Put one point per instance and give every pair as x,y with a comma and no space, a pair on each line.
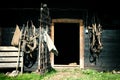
9,59
8,48
9,65
3,54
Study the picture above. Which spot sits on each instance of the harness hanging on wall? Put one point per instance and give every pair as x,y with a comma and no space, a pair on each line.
29,44
95,42
36,44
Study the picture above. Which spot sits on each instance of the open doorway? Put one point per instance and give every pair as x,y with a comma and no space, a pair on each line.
66,39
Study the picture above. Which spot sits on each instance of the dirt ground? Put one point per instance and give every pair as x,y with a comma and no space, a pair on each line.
65,74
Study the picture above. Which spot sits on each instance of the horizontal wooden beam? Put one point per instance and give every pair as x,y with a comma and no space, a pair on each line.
8,48
9,65
65,20
66,65
10,59
5,54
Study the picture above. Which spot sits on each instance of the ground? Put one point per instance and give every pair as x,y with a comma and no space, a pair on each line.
65,74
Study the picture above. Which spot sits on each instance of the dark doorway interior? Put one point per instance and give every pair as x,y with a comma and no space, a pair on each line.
66,38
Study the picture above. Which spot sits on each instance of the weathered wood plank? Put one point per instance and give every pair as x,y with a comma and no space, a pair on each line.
81,46
9,59
66,65
8,48
8,54
52,37
65,20
9,65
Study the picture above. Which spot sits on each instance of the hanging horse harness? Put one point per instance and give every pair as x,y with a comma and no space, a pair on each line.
95,32
34,42
29,43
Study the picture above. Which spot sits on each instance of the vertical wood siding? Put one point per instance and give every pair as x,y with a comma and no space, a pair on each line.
7,34
110,57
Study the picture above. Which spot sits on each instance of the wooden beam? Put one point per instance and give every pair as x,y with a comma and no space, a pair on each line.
22,62
81,45
2,54
52,37
9,65
65,20
8,48
9,59
66,65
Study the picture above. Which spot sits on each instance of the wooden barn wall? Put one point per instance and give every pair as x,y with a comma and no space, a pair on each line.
6,35
110,57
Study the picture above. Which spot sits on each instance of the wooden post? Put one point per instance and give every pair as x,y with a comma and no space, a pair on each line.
22,67
81,45
39,55
52,37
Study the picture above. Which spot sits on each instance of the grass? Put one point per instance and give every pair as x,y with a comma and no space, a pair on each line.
28,76
94,75
65,74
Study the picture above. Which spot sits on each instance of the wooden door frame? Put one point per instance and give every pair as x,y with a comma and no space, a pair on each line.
81,38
